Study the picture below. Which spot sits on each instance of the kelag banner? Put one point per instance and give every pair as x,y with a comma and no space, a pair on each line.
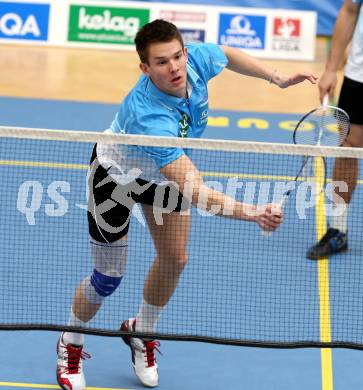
327,9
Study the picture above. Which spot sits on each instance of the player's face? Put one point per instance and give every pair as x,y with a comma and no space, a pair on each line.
167,67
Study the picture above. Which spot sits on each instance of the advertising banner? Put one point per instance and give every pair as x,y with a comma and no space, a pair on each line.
243,31
106,24
113,25
326,10
192,35
192,24
24,21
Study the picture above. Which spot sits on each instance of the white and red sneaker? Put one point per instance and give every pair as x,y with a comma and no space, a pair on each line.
69,366
142,355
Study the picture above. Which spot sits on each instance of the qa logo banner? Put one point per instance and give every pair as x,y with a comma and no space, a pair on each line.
24,21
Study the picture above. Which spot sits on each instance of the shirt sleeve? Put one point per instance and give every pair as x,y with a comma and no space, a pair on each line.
208,58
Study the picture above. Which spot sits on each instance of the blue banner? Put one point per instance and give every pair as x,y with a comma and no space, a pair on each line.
192,35
24,21
243,32
327,10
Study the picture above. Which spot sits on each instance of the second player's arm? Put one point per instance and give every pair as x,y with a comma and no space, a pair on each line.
190,182
342,35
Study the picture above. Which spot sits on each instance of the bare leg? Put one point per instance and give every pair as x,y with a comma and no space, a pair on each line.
170,240
346,169
83,309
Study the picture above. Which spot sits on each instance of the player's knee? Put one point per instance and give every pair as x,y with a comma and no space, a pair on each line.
99,286
104,285
351,144
109,261
179,260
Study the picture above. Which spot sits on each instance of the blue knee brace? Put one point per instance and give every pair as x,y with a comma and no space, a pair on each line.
104,285
99,286
109,262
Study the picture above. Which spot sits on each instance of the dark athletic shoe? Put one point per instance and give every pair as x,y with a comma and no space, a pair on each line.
334,241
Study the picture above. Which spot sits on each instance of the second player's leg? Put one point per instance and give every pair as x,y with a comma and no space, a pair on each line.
346,169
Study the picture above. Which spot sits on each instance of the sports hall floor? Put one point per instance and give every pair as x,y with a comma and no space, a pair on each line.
79,90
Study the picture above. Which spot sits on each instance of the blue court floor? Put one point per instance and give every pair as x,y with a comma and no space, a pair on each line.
27,358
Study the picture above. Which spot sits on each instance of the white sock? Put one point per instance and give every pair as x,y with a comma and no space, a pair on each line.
340,221
71,337
147,317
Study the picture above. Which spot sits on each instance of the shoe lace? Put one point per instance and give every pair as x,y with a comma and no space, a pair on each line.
150,347
74,355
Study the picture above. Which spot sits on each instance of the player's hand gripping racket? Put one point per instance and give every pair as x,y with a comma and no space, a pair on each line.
330,127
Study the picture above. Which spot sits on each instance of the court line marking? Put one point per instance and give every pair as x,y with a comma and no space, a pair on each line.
41,164
42,386
323,282
44,164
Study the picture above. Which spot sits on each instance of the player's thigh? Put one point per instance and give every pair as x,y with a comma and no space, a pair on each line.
171,236
108,218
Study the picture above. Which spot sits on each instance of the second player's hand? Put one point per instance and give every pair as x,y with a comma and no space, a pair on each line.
327,84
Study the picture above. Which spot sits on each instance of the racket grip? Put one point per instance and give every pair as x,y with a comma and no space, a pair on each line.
325,100
281,204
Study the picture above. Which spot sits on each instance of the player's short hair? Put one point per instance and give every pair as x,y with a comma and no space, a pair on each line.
156,31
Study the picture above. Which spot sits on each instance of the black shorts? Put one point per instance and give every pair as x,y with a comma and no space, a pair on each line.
350,100
110,204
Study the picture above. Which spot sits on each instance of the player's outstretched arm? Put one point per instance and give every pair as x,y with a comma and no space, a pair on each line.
242,63
190,182
342,35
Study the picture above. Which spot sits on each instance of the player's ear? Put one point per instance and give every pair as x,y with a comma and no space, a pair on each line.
186,53
144,68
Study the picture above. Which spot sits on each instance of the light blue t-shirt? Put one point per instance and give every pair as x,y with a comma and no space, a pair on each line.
149,111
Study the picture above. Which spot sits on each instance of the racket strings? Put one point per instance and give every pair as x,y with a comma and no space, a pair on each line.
325,127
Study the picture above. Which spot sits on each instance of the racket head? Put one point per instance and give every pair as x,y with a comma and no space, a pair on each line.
323,126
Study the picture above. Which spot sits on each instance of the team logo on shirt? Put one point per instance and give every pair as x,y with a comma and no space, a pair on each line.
184,125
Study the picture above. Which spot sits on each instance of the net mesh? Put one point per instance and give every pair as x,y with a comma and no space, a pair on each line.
238,286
